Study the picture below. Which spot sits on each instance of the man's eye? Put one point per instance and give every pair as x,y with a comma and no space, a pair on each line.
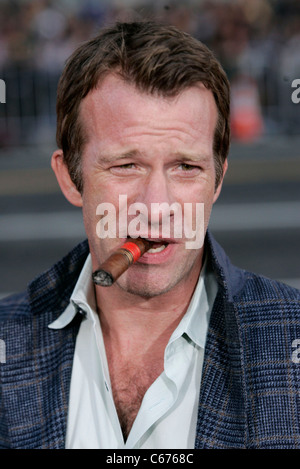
187,170
188,167
126,166
123,167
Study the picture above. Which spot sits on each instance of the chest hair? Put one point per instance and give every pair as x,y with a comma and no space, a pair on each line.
129,385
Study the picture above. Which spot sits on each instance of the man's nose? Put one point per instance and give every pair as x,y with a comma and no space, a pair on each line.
158,197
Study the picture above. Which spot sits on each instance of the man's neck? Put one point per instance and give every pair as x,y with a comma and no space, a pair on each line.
127,317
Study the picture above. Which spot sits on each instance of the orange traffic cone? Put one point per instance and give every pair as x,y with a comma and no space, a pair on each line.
246,119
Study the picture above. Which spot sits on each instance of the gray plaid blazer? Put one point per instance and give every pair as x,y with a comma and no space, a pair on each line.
250,389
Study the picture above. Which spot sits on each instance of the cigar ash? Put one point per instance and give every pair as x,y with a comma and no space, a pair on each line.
103,278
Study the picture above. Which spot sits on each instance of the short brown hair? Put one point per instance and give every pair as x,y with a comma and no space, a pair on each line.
155,58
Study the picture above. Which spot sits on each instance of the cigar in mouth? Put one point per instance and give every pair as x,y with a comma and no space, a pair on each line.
120,260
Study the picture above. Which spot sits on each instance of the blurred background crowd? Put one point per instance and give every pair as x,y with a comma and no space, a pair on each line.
257,42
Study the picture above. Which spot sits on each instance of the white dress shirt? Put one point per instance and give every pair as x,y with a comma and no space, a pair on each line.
168,414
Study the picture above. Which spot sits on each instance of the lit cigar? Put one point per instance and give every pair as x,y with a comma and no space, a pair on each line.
119,261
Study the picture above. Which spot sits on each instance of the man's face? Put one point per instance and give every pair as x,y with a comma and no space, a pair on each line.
151,150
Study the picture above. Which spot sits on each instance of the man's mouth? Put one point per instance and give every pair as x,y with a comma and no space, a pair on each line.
157,247
161,250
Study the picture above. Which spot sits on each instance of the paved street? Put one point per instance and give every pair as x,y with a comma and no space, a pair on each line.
257,218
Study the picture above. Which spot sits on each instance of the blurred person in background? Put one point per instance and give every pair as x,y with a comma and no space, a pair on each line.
184,350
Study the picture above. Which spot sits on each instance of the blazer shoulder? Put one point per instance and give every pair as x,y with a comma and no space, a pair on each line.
264,299
14,306
260,287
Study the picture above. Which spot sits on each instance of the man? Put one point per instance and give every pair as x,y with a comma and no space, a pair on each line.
183,350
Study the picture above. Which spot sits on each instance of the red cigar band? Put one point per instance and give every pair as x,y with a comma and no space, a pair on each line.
134,249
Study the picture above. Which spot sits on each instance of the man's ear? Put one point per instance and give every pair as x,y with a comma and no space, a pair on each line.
67,186
218,190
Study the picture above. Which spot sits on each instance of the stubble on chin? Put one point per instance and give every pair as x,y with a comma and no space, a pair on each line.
153,286
145,291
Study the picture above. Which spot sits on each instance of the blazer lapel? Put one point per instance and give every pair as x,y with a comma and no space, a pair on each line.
37,373
36,402
221,412
52,361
